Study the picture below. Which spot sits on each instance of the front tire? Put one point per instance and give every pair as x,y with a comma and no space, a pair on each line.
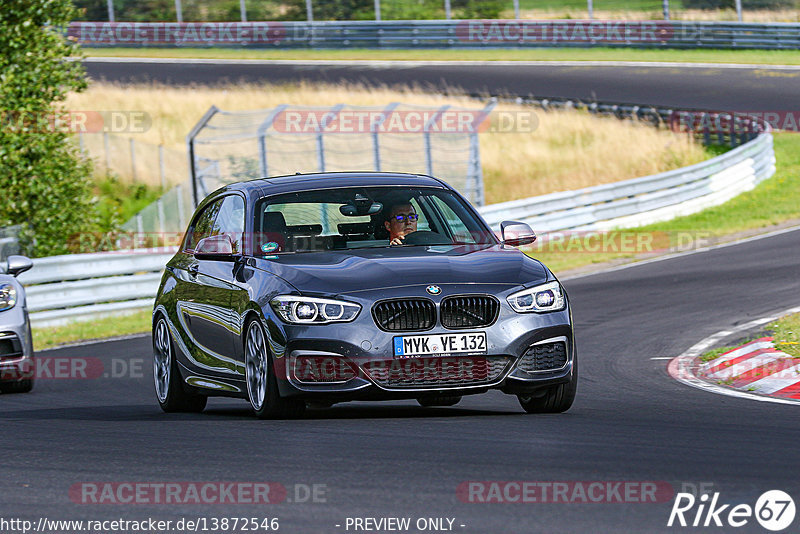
555,399
262,384
171,395
17,386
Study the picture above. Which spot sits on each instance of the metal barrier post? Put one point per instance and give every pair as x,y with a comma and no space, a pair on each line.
161,172
178,11
243,10
262,141
190,149
181,214
376,147
160,212
105,152
320,129
447,13
378,10
133,159
428,126
516,9
110,4
590,7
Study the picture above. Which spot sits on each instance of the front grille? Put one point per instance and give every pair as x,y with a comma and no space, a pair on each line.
468,311
437,372
407,315
544,357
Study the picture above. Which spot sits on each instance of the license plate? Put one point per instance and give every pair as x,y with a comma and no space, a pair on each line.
440,345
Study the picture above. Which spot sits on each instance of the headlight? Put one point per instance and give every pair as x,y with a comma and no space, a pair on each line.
544,298
8,297
310,310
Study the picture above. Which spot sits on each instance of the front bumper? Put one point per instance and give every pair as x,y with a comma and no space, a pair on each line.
16,351
354,361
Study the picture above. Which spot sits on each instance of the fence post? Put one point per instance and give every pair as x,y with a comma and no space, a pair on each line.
516,9
320,141
243,10
139,225
447,13
110,10
262,139
309,12
178,11
376,147
377,10
160,211
190,149
181,214
474,166
427,137
161,172
590,7
739,10
105,152
81,143
133,159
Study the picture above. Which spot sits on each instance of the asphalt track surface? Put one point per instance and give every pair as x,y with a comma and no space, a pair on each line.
630,422
731,89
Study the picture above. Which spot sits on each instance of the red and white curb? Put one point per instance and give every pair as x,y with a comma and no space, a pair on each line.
756,370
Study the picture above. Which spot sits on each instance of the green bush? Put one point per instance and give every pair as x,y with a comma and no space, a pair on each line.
45,182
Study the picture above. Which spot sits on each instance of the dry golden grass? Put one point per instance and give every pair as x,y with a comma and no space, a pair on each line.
568,150
762,15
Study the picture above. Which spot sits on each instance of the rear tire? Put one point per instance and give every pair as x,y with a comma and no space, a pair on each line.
555,399
170,392
262,384
428,402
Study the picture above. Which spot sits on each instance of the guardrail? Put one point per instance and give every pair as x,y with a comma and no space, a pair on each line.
61,289
644,200
440,34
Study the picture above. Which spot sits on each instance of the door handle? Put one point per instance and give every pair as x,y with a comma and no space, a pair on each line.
192,269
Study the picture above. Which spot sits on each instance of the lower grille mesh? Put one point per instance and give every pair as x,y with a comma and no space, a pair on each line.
544,357
439,372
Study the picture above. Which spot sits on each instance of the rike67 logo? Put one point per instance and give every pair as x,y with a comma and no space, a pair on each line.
774,510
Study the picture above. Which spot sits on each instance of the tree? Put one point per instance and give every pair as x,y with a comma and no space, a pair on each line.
45,182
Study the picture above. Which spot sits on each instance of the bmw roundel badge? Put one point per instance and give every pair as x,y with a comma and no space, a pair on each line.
433,290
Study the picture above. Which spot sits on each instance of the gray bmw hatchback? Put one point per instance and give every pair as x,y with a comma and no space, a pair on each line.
335,287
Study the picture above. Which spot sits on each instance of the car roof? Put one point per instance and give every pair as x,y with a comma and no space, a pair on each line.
325,180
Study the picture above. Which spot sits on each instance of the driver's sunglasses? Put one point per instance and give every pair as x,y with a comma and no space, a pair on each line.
409,217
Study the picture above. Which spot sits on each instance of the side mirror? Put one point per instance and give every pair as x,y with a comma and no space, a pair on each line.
18,264
516,234
215,247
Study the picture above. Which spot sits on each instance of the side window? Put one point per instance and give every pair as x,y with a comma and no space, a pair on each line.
422,222
203,225
230,221
461,233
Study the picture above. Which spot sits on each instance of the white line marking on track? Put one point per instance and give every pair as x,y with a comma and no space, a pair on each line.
680,367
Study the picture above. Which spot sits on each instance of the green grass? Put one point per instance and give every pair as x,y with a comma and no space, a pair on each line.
772,202
713,354
786,334
118,201
759,57
45,338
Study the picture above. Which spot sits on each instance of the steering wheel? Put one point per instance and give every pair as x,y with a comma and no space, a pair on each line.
425,237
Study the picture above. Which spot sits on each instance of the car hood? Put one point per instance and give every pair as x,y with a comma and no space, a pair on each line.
351,271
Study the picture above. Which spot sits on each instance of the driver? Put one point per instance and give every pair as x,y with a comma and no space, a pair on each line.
401,220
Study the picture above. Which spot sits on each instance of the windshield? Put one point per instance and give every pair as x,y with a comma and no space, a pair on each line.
365,217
